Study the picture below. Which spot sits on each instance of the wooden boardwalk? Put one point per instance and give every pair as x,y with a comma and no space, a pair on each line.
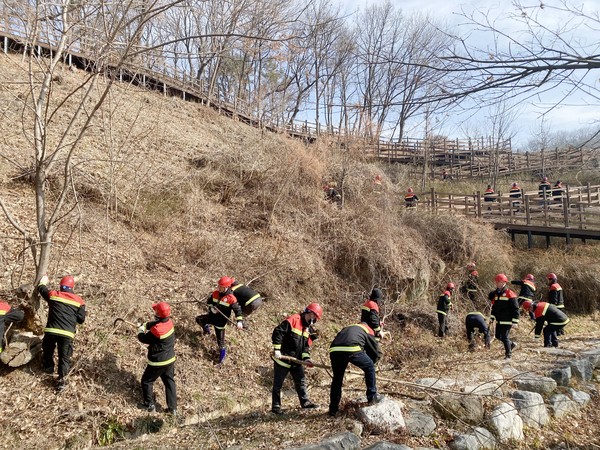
459,158
575,214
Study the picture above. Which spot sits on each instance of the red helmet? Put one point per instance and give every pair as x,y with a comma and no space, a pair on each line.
67,282
545,179
225,282
526,305
377,177
475,273
315,308
450,286
161,309
410,190
501,278
515,185
471,265
552,276
529,277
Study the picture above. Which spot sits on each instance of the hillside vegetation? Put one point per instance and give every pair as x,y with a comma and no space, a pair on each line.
168,196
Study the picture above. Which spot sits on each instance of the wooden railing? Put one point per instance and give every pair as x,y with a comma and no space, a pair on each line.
576,208
458,158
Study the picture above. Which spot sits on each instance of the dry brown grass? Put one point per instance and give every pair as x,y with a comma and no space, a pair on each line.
171,197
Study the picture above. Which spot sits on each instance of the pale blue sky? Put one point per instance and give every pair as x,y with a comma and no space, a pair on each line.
577,112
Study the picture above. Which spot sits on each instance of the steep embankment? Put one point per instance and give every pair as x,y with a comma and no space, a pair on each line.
171,196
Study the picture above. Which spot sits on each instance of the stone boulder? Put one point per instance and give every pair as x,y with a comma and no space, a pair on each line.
561,405
383,416
505,422
531,408
582,369
340,441
23,347
439,383
385,445
485,389
562,375
478,439
581,397
534,383
419,423
468,408
592,356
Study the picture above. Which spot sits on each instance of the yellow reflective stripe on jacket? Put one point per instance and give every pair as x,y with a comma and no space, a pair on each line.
305,355
168,333
59,332
300,332
545,309
560,306
363,327
66,301
354,348
560,323
224,303
366,308
2,313
441,312
475,313
162,363
277,346
506,323
252,299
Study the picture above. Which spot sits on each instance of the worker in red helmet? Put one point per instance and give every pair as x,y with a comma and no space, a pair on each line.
159,335
505,312
475,321
65,311
369,312
291,339
410,199
355,344
444,306
471,286
545,313
221,303
558,191
515,195
8,315
489,195
527,288
555,292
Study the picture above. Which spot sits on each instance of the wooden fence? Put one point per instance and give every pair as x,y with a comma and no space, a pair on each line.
457,158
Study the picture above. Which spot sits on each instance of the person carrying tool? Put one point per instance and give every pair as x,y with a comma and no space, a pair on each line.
220,305
65,311
544,189
542,313
505,311
291,339
8,315
444,306
555,292
369,313
354,344
159,335
527,288
410,199
471,286
248,299
476,321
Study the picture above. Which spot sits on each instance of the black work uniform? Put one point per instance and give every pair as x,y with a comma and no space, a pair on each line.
291,338
476,321
411,200
355,344
545,312
369,314
555,296
505,311
527,290
515,196
160,337
8,315
248,298
65,311
221,304
443,307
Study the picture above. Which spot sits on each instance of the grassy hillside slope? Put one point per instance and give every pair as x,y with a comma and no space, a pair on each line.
169,196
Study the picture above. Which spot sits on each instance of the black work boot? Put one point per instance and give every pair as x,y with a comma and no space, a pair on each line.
309,405
149,407
277,410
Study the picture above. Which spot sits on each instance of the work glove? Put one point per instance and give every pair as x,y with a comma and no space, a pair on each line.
277,354
44,280
142,329
309,363
240,324
212,310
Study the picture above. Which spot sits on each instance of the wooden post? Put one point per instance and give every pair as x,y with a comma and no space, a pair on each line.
527,210
432,199
566,211
580,216
589,194
529,240
478,206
